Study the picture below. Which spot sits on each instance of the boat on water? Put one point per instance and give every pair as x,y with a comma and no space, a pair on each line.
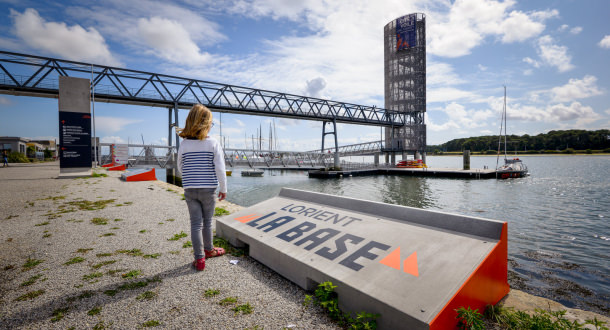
512,168
252,172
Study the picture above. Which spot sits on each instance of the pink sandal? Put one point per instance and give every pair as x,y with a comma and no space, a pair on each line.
199,264
219,251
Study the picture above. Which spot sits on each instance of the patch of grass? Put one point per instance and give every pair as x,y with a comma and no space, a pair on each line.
113,272
59,314
108,234
115,228
219,211
133,285
83,251
188,244
74,220
223,243
228,301
99,255
99,175
47,235
178,236
111,293
161,223
142,231
132,274
117,220
86,205
175,252
91,276
507,318
171,220
132,252
86,294
75,260
31,263
244,309
8,267
153,256
151,323
127,203
99,221
31,280
101,325
103,263
42,224
95,310
147,295
53,198
211,293
30,295
470,319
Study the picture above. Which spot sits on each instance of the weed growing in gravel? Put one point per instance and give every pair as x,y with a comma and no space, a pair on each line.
211,293
108,234
132,252
75,260
188,244
86,205
178,236
42,224
47,235
147,295
91,276
326,297
99,255
31,280
151,323
115,228
83,251
142,231
86,294
74,220
58,314
101,325
170,220
175,252
113,272
30,295
219,211
8,267
103,263
161,223
244,309
132,274
31,263
99,175
111,293
117,220
94,311
153,256
228,301
99,221
10,217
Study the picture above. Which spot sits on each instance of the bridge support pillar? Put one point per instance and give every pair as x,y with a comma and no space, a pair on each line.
376,160
393,158
334,132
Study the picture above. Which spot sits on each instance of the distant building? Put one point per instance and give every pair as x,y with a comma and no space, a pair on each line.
13,144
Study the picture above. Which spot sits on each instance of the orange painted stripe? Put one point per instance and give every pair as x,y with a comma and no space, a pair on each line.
410,265
247,218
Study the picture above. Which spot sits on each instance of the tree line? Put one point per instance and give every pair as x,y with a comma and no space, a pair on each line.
553,141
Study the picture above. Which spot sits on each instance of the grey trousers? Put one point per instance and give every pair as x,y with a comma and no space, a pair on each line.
201,202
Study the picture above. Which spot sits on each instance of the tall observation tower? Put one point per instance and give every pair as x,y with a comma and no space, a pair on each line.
405,83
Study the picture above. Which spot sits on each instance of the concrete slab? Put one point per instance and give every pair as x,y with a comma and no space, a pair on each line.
413,267
75,172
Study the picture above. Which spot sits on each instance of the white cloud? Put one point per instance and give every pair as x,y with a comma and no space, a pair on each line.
607,111
576,89
459,118
446,94
112,139
554,113
554,55
113,124
532,62
438,73
469,22
169,40
576,30
70,42
605,42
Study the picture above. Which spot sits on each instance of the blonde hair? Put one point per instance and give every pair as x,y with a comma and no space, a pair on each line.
198,123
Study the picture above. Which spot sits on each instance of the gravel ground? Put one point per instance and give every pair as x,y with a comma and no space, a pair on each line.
40,220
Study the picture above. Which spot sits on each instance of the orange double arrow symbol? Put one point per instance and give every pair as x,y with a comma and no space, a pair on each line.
408,266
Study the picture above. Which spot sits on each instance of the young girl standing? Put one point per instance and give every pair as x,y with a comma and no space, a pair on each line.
201,162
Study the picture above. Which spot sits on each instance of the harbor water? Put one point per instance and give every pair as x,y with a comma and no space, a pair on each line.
558,217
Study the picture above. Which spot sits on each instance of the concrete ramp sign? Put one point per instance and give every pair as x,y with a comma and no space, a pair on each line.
413,267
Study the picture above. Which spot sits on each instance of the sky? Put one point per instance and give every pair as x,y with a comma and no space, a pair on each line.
552,56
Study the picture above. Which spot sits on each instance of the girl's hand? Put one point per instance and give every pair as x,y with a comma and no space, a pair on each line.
221,196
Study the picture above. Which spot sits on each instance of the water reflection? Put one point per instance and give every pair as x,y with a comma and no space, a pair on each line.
407,191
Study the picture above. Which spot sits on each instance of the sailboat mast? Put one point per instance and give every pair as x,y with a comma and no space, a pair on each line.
505,123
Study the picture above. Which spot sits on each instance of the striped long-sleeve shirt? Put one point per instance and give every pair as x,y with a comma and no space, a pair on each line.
202,164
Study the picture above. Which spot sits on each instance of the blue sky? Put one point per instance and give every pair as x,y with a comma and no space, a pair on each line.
553,56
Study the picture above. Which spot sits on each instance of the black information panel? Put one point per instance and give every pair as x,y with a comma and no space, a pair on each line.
74,139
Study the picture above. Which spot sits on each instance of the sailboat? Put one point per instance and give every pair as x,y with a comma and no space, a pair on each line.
512,168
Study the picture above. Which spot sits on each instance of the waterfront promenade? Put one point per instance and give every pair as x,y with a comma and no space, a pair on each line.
96,252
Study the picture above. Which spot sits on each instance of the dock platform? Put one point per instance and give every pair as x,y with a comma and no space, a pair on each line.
428,172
